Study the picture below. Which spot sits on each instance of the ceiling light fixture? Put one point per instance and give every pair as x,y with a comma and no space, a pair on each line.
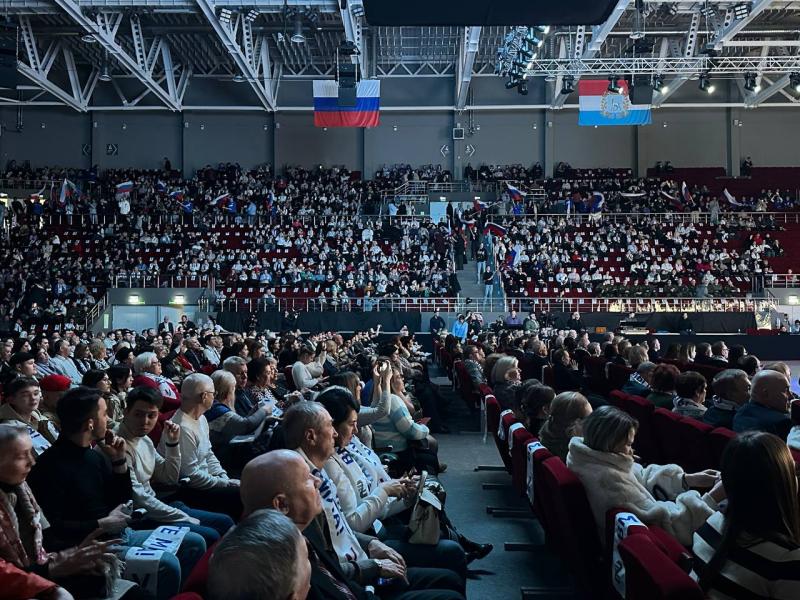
298,37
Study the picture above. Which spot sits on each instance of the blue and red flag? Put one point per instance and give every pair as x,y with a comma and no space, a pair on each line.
220,200
68,191
686,194
598,201
494,229
478,206
329,113
161,186
598,106
126,187
177,195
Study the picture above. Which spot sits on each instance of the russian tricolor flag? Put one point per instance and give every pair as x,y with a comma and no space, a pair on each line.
494,229
598,106
177,195
126,187
328,112
687,195
515,194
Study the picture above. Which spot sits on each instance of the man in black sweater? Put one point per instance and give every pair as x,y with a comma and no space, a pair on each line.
81,490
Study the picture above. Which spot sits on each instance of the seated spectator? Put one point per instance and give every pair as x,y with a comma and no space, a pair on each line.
534,359
62,362
505,380
98,380
363,502
121,381
535,401
735,354
665,378
410,441
82,358
567,412
262,558
22,364
639,382
244,402
53,387
147,368
690,395
751,550
38,573
474,359
81,489
603,460
731,389
636,356
566,376
209,487
147,467
750,364
301,369
342,561
703,353
381,393
224,423
22,399
98,355
262,375
768,409
687,353
719,354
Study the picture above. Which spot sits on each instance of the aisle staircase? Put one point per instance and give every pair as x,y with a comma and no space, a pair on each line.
470,288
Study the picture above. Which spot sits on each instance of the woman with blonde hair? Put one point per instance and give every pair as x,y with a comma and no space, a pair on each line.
753,549
506,377
567,411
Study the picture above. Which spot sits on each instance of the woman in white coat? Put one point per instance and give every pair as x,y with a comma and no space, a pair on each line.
603,460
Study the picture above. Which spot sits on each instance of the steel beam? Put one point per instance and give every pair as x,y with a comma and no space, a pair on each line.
599,35
689,49
733,26
768,91
468,50
228,39
354,32
105,31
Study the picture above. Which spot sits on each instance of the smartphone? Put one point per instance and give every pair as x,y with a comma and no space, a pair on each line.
138,514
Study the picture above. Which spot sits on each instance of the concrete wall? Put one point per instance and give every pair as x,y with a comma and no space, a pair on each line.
685,136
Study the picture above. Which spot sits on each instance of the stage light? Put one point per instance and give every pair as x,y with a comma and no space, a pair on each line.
297,36
252,15
740,11
750,82
658,83
225,16
794,81
613,85
705,84
569,85
512,83
523,88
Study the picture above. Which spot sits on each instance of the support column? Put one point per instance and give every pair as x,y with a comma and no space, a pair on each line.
549,143
733,130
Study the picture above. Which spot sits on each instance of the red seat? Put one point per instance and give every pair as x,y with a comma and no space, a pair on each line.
466,388
519,458
571,518
187,596
287,375
595,369
618,399
548,377
507,419
492,414
717,440
539,501
645,443
667,431
695,445
648,575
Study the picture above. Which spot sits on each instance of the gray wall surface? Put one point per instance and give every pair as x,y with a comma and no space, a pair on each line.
518,133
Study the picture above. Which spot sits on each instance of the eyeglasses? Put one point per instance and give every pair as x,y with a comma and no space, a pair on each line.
208,392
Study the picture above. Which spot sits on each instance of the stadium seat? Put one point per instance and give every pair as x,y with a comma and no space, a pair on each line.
198,578
695,444
576,536
717,440
618,375
520,439
645,443
648,575
667,432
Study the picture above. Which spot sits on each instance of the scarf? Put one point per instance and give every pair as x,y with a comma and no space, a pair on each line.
27,510
369,462
343,539
165,386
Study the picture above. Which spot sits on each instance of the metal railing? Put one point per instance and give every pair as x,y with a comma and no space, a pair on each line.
95,311
779,280
521,304
23,183
162,281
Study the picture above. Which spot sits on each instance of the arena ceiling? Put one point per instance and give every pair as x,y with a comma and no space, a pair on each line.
151,51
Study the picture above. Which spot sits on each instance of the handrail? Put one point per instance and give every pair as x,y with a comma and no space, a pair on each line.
698,218
23,183
521,304
780,280
163,281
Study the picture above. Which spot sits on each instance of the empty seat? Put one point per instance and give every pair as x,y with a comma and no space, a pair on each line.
649,575
667,432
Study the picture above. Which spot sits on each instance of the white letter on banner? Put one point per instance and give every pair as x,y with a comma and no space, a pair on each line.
622,521
141,567
533,447
166,539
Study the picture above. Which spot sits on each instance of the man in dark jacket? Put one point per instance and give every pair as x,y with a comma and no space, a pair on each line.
282,480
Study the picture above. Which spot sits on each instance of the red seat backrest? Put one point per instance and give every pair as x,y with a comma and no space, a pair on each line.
506,421
642,410
287,375
649,575
187,596
492,414
158,429
519,458
618,375
548,377
595,368
541,501
618,399
695,444
717,441
571,517
667,431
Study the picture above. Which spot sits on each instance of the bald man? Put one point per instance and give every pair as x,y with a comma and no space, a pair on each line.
282,480
768,409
